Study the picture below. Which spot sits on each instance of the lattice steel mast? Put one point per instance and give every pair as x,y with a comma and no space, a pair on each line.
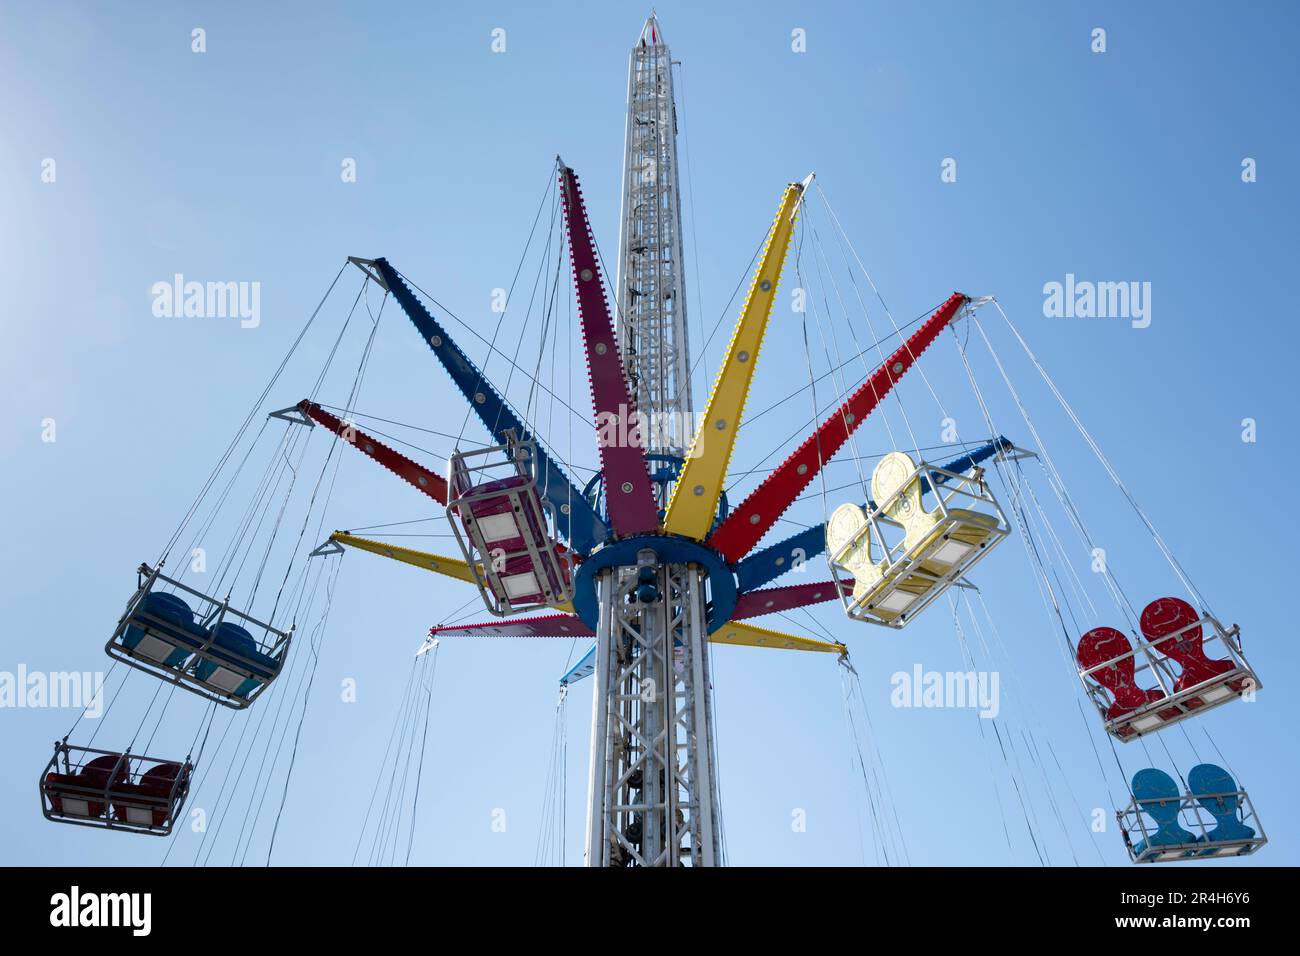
651,320
653,790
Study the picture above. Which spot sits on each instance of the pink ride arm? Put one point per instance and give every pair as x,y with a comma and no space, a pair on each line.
629,498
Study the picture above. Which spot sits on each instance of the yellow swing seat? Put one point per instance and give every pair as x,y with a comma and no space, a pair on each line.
903,556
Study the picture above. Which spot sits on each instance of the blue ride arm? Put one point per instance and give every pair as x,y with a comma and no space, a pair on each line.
577,520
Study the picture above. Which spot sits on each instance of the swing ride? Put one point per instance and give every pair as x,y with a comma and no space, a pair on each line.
1158,807
210,652
931,549
649,560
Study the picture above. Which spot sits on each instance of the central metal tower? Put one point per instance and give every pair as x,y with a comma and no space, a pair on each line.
652,798
651,320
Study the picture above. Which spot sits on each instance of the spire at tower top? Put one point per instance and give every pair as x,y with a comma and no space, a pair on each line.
651,34
651,316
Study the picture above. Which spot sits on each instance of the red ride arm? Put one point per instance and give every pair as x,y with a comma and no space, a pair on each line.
752,518
431,483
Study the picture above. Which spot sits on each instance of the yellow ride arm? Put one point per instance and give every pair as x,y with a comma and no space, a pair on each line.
734,632
695,498
451,567
440,564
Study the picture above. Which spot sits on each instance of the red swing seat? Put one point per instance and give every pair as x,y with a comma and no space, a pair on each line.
1171,653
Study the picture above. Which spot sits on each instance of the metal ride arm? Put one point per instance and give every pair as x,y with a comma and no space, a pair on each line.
583,669
752,518
630,501
431,483
695,497
545,625
774,600
740,634
576,519
773,561
451,567
438,563
749,635
568,625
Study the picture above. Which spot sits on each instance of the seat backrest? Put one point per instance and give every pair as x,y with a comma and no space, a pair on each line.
1206,779
105,771
1157,788
1157,795
168,606
159,779
232,637
1164,616
892,473
896,474
848,529
1102,645
501,485
1105,646
845,523
1168,615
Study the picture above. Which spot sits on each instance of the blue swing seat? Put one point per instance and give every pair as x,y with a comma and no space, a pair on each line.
1217,793
1157,795
162,629
1158,800
203,646
234,645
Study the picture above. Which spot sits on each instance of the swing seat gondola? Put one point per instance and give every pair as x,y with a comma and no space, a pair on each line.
148,802
1218,795
234,664
505,529
162,629
202,644
901,555
1174,653
1212,818
72,791
113,790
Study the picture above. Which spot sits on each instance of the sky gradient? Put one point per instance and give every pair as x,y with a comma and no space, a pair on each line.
225,166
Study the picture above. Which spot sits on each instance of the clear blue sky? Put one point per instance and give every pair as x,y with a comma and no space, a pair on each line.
225,166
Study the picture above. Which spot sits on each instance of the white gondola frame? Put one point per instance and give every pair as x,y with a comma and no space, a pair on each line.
111,795
1213,692
275,643
1134,827
465,480
898,565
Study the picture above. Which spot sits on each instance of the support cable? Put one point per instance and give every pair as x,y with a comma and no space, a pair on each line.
1105,462
249,418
